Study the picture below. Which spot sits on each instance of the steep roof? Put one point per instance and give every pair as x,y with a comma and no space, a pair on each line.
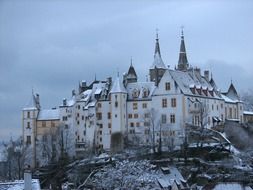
232,93
118,86
191,79
131,72
158,62
182,60
32,104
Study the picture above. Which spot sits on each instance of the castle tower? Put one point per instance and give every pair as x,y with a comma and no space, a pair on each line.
118,96
182,60
29,120
158,68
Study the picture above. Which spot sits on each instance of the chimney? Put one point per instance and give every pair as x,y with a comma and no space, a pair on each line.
64,102
197,71
37,99
206,75
83,84
27,180
73,92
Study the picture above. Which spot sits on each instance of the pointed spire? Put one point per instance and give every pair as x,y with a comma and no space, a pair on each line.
157,46
158,62
118,86
182,61
131,74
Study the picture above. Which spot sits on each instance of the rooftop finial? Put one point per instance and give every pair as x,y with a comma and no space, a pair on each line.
117,72
131,61
95,77
157,47
157,38
182,31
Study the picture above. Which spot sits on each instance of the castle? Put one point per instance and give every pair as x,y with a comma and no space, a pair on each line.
105,115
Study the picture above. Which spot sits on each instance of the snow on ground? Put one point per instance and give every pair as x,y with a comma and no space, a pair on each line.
135,175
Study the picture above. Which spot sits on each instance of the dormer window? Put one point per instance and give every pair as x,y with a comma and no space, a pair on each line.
136,93
145,93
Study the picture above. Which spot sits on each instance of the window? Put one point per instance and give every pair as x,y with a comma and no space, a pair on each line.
64,118
28,114
78,122
172,118
100,139
137,124
230,113
109,125
116,104
78,107
173,102
164,103
101,126
217,107
43,123
135,106
146,115
146,123
115,115
100,132
212,107
221,106
28,125
99,116
52,124
28,139
167,86
144,105
163,119
77,114
135,115
99,105
84,133
66,126
109,115
130,115
82,117
131,124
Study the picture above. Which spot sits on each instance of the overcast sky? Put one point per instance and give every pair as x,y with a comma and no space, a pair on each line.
51,45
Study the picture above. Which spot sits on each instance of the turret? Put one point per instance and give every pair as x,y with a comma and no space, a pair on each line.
29,128
118,96
158,68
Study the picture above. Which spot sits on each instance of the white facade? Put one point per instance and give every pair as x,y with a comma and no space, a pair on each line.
143,112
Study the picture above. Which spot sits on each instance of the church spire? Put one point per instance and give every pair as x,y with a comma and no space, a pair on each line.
158,62
182,61
157,46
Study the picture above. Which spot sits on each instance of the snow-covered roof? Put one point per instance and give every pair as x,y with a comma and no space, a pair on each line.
19,185
52,114
158,62
227,99
231,186
191,79
118,87
140,88
248,113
